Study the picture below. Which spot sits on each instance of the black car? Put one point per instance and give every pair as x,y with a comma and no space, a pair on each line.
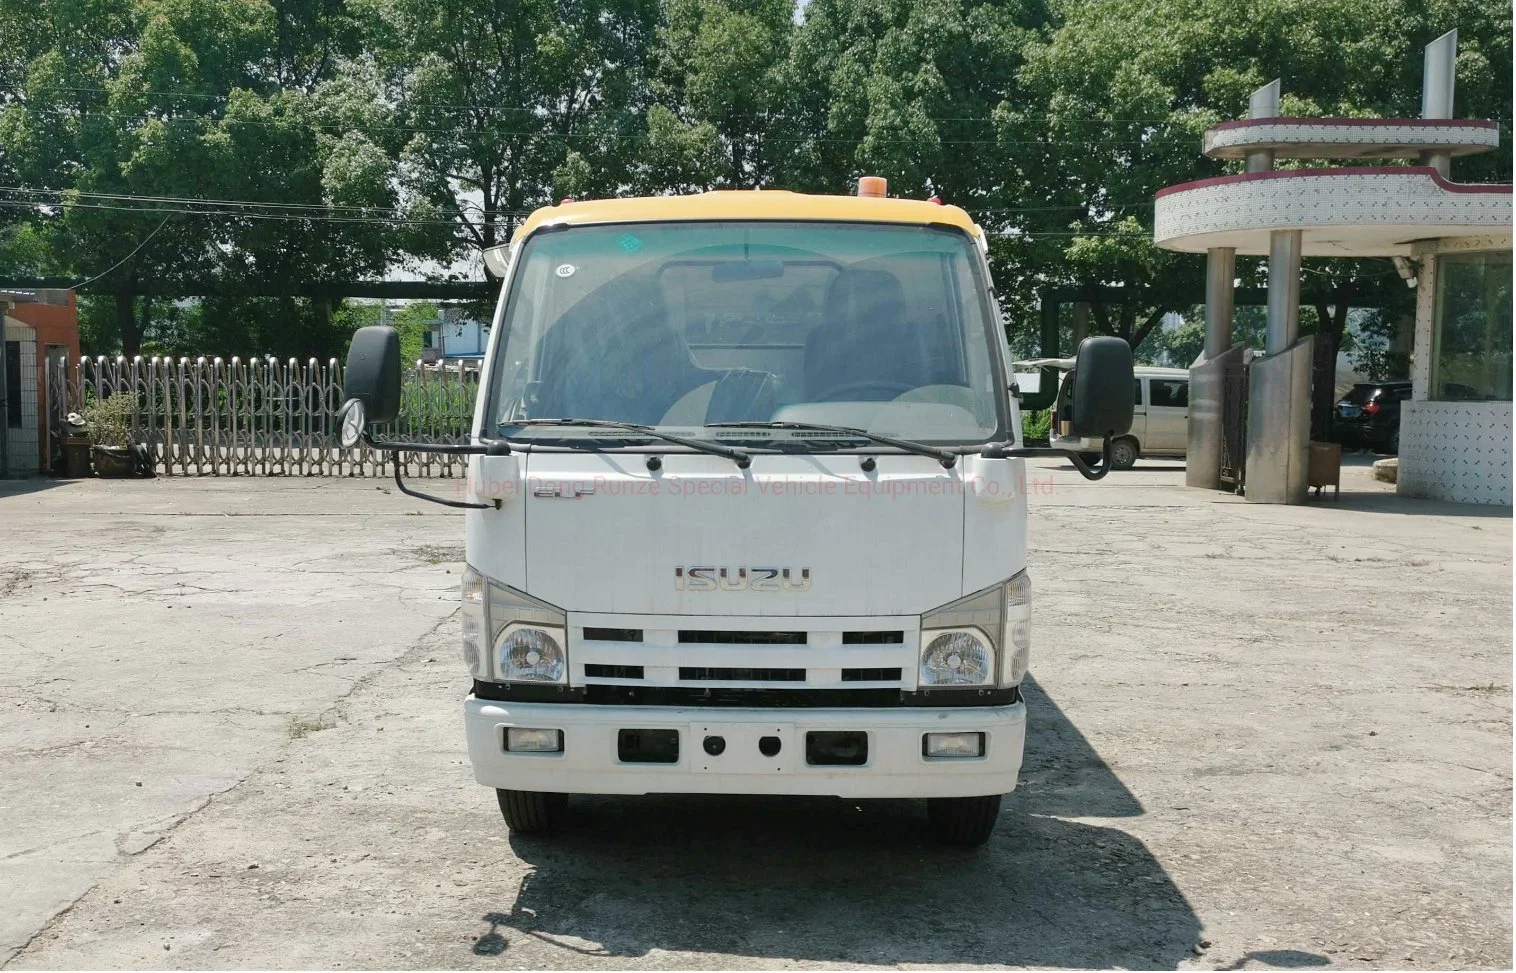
1369,415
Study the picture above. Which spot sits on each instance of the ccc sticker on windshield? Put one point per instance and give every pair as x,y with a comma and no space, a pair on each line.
565,270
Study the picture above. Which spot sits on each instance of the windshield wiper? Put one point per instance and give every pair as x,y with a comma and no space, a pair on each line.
740,457
942,456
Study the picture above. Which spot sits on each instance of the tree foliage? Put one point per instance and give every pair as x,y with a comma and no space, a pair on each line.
357,137
118,110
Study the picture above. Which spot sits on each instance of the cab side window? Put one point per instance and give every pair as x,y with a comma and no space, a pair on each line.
1136,391
1174,393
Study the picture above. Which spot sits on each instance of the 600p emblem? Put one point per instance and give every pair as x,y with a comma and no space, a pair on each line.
742,579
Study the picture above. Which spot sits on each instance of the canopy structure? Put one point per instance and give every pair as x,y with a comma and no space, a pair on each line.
1355,211
1350,138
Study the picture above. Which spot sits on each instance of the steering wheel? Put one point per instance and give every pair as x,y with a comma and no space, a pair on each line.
843,392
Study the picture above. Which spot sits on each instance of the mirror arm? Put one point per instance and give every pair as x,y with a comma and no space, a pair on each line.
460,504
493,447
1002,451
490,447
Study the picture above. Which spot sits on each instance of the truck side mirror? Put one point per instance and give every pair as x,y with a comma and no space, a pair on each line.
1102,394
370,383
372,375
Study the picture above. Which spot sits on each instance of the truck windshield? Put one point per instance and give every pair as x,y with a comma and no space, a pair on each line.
691,326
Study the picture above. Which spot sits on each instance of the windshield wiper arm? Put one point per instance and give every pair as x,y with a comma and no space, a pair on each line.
742,458
942,456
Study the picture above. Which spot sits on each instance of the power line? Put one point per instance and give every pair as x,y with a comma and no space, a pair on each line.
485,107
186,202
1052,207
232,202
135,251
537,112
456,224
238,214
612,136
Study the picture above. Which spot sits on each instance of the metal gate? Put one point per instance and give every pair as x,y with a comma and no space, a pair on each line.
264,417
1234,424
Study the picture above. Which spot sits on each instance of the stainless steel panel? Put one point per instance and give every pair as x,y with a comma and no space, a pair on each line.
1203,452
1279,424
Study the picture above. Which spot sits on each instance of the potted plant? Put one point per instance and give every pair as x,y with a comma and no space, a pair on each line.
108,423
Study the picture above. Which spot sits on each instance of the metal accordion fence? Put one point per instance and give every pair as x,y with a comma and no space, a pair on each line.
264,417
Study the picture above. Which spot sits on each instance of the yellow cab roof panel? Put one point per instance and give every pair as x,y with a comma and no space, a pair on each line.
749,204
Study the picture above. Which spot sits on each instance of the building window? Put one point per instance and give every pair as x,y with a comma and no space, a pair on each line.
1471,353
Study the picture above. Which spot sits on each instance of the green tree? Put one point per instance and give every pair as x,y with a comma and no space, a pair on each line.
499,102
720,81
908,90
130,130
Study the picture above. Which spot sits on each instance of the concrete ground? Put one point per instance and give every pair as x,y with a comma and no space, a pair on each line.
1261,737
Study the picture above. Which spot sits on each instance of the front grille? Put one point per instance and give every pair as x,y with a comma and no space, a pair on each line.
881,674
725,696
613,634
704,637
729,674
593,670
873,638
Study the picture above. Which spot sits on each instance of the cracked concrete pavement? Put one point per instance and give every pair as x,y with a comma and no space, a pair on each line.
161,638
1261,736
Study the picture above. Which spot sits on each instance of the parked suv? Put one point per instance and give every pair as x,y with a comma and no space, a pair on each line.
1369,415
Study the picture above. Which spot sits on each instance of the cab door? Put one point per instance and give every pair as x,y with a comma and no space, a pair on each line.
1168,416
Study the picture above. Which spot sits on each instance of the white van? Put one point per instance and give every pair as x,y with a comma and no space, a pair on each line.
1160,418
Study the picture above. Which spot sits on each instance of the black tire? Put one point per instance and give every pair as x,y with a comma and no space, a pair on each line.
1123,454
531,812
965,822
1392,447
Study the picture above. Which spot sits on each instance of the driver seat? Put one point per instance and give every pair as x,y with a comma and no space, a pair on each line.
613,355
865,337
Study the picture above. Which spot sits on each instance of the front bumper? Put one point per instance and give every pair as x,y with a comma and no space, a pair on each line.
895,767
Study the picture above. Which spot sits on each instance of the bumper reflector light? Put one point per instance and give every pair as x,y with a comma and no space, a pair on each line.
526,739
952,745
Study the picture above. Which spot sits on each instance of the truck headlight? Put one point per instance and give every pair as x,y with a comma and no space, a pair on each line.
530,654
509,636
961,657
982,640
960,640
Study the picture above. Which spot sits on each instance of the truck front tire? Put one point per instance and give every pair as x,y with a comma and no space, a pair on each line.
531,812
963,821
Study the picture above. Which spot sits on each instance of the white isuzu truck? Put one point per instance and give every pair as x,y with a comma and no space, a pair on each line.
745,505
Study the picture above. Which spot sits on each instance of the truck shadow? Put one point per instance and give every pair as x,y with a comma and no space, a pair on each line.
857,882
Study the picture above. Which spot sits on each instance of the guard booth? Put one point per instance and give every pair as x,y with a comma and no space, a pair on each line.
1450,240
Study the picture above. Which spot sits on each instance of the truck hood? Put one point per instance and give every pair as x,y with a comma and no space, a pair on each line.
800,535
